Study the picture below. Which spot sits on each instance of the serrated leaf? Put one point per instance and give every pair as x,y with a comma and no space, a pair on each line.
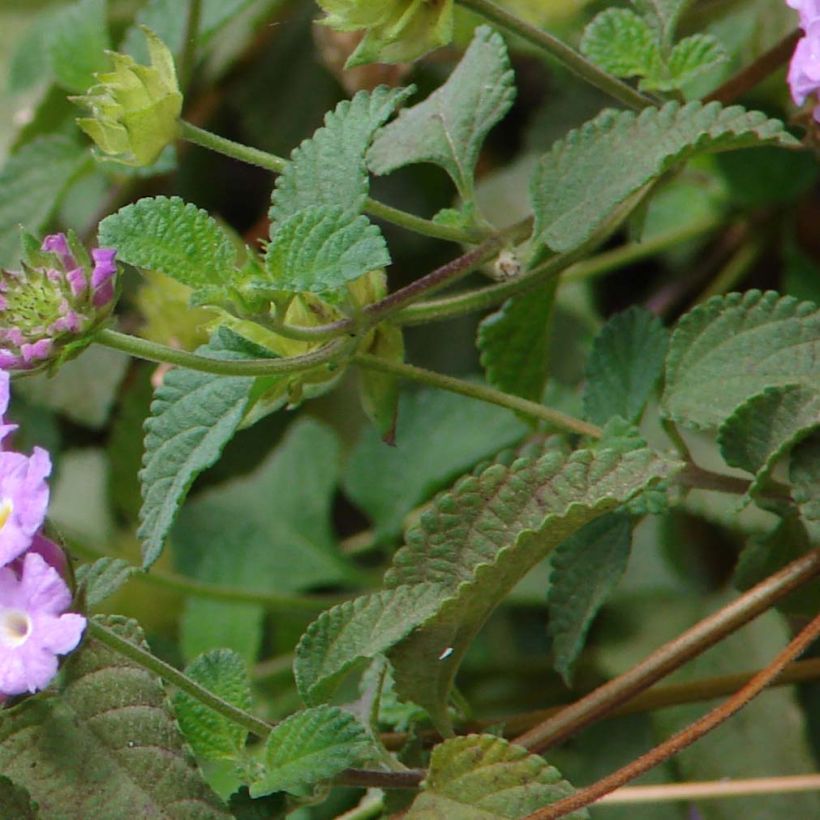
622,43
357,630
211,735
804,474
103,578
585,176
322,249
193,416
32,184
77,38
732,348
15,801
483,777
106,745
663,15
625,365
173,237
329,168
308,747
585,570
514,343
449,127
690,58
479,539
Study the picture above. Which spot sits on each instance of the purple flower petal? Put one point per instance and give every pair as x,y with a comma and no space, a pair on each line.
23,500
57,243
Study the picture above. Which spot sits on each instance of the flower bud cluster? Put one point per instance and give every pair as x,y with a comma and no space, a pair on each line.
60,296
804,70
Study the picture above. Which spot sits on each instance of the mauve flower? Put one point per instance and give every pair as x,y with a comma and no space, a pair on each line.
34,626
804,69
5,429
23,500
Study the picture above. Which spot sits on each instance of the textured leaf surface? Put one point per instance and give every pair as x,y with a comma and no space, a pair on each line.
103,578
625,365
691,57
211,735
358,630
15,802
585,570
111,719
734,347
32,183
483,536
438,436
482,777
663,15
77,39
309,746
449,127
193,416
622,43
514,343
329,168
594,169
173,237
804,474
323,248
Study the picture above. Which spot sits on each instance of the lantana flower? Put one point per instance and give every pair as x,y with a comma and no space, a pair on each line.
804,70
49,308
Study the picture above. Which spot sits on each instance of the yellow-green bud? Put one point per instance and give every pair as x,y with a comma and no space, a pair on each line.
134,108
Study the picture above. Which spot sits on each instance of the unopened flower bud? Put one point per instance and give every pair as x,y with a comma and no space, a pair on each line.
50,307
134,108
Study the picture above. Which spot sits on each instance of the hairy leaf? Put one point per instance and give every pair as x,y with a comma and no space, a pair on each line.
585,570
211,735
625,365
329,168
310,746
662,15
77,38
483,777
106,746
103,578
322,249
732,348
689,58
357,630
449,127
32,183
594,169
622,43
173,237
514,343
15,802
804,474
193,416
483,536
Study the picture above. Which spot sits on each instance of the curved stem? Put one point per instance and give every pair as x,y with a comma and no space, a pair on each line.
687,736
145,659
672,655
574,61
481,392
192,22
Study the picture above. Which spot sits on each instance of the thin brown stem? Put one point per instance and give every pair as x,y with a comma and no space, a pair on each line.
672,655
687,736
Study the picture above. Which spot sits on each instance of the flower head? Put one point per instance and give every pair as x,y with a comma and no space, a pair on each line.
134,108
804,69
34,626
55,301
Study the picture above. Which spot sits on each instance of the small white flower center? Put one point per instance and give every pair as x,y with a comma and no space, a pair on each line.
6,509
15,627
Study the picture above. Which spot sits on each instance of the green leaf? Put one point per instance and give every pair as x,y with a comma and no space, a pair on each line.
804,474
380,391
438,436
355,631
103,578
662,15
193,416
732,348
77,39
479,539
176,238
323,248
586,569
483,777
329,168
690,58
514,343
106,745
310,746
622,43
596,168
449,127
32,184
211,735
625,365
15,801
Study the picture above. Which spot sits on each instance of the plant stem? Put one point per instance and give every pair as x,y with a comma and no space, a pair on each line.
732,272
481,392
670,656
687,736
271,162
574,61
145,659
153,352
189,38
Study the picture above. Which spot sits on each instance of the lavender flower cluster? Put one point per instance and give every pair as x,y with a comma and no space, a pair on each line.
804,70
34,625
